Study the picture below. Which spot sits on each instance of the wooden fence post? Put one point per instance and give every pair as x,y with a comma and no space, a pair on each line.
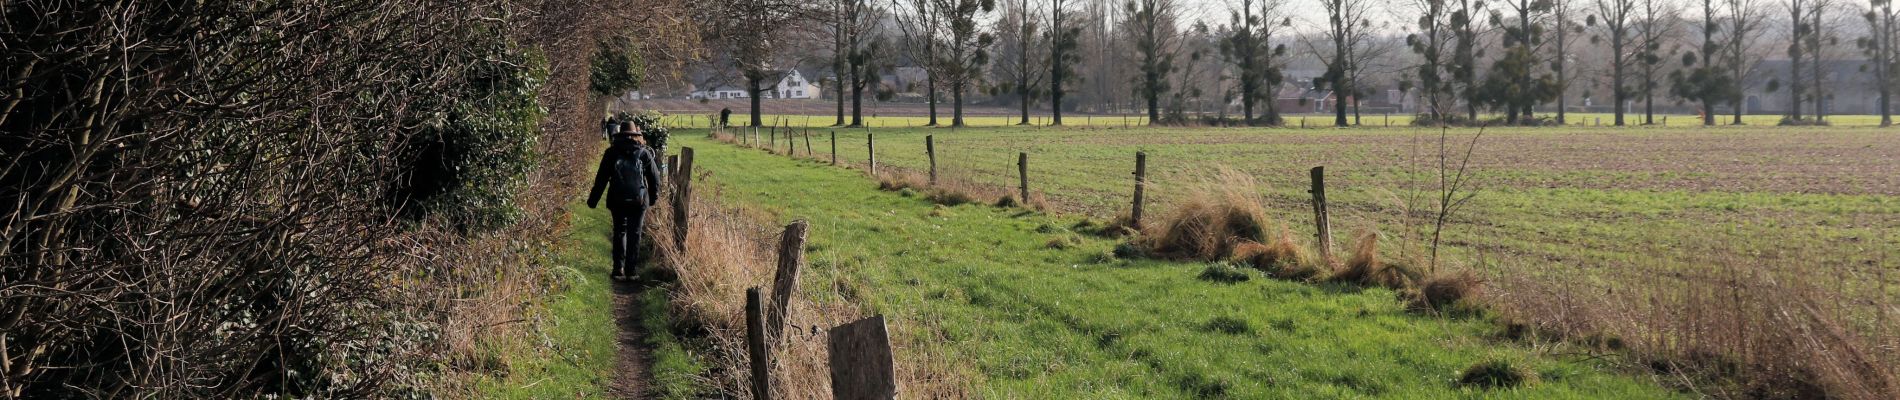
808,142
861,364
1141,183
683,200
930,149
673,169
755,346
1022,170
834,148
870,144
791,255
1320,219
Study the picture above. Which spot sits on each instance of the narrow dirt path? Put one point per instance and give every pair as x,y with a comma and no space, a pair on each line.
632,374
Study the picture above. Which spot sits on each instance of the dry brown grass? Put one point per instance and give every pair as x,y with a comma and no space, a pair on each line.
1367,267
950,190
1214,217
1282,258
1448,289
730,250
1727,328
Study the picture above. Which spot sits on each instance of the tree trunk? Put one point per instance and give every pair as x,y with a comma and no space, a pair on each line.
838,60
1055,94
857,95
1339,99
1885,46
1620,94
753,84
956,104
931,97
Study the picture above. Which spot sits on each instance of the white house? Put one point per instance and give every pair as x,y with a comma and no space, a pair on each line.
792,85
795,86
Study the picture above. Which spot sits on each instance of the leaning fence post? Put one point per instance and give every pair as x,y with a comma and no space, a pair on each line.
755,346
1141,183
1320,218
1022,170
791,255
683,202
870,144
930,149
808,142
834,148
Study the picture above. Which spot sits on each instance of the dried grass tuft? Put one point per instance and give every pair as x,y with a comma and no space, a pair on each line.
1282,258
1448,289
1208,224
1365,267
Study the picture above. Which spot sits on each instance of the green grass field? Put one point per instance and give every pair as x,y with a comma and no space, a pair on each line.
981,285
1545,198
1309,121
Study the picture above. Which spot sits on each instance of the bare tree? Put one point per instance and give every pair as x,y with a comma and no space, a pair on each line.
1658,24
919,22
1744,30
1156,41
1429,43
750,31
1250,50
1349,28
1878,45
1063,55
965,48
1819,39
1798,30
1617,17
1563,25
853,25
1467,36
1200,43
1021,49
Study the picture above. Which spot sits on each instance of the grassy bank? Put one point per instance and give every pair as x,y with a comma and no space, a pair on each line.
1711,251
1029,309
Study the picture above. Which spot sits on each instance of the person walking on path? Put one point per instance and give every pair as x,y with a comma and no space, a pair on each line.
631,178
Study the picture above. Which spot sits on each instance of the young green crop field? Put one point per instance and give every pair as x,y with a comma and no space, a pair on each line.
1597,203
981,286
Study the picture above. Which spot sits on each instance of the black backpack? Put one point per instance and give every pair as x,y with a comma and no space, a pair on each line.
629,183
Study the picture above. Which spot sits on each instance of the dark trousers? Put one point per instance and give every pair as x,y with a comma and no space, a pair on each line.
627,222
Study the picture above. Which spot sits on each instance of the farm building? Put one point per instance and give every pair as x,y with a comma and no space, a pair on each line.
791,85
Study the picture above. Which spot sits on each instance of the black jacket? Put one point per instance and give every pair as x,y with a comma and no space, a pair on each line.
641,190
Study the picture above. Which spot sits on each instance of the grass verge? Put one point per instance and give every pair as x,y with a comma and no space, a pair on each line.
977,290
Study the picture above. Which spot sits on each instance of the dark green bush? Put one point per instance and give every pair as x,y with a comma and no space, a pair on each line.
465,162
